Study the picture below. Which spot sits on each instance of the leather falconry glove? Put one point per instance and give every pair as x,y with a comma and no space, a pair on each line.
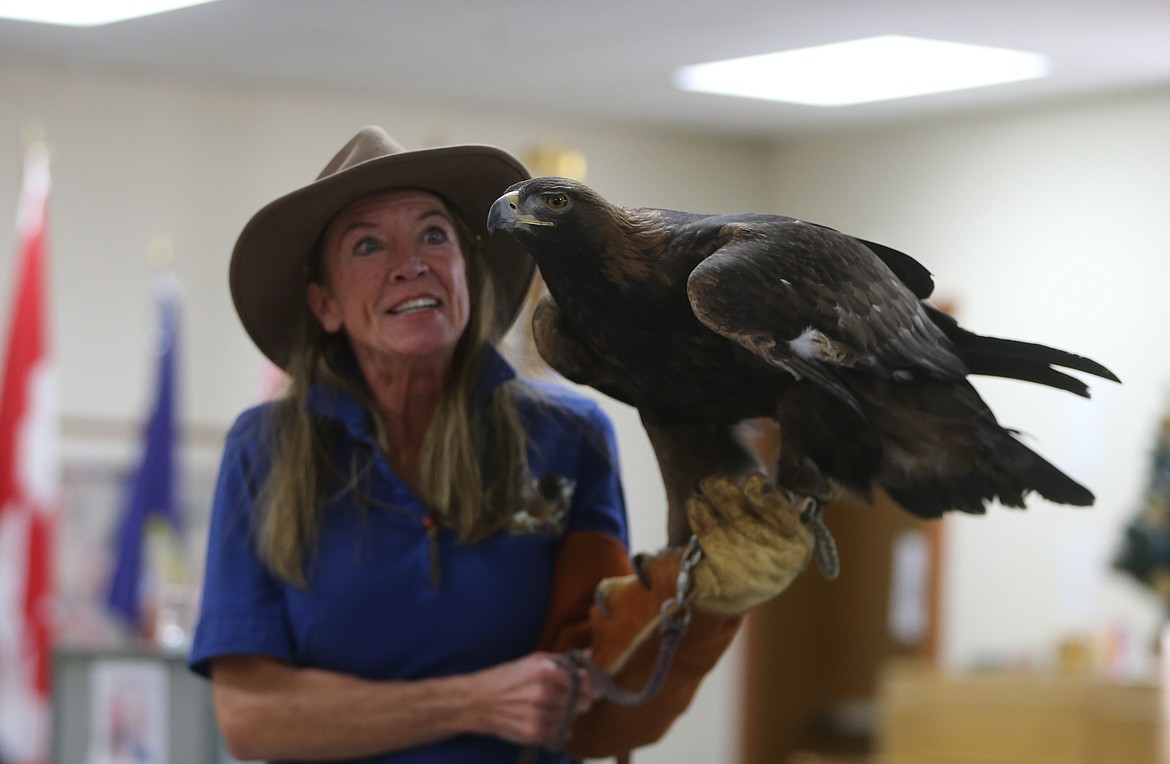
754,543
754,546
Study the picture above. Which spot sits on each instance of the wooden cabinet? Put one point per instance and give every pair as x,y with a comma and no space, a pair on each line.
815,654
928,717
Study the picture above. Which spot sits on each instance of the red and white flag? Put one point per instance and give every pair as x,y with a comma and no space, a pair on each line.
29,487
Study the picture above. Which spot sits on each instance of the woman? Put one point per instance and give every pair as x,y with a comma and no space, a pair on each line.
393,539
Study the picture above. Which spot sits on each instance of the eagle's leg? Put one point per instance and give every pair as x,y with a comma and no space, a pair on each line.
687,454
825,549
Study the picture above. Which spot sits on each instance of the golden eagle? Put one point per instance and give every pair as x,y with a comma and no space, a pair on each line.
703,321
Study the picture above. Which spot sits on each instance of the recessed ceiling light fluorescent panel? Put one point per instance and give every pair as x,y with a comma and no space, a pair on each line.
861,71
88,13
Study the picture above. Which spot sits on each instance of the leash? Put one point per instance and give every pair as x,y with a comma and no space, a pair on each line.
674,617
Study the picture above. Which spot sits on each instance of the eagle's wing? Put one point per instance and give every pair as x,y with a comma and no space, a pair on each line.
908,270
811,301
571,358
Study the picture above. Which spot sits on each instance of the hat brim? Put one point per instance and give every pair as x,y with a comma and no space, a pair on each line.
267,276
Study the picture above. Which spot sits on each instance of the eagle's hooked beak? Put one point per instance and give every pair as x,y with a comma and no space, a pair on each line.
505,214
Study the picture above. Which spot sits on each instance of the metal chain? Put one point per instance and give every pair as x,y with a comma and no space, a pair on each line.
674,617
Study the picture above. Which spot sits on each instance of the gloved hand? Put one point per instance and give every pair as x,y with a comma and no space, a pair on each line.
754,546
618,623
754,543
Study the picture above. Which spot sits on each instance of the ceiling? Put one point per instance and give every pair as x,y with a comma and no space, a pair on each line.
603,59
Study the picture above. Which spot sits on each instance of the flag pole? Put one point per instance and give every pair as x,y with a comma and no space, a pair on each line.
34,135
160,253
29,480
136,585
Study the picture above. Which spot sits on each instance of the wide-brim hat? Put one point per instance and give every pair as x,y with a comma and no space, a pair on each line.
267,272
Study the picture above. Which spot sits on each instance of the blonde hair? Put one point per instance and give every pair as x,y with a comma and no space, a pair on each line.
460,445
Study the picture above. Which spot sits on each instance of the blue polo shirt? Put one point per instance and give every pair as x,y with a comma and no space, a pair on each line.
371,609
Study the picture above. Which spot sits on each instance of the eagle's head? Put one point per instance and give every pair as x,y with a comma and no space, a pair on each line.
573,232
545,202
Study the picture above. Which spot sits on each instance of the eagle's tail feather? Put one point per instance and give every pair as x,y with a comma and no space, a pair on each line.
1008,477
1014,359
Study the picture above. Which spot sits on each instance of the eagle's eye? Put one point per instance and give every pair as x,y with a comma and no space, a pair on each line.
557,201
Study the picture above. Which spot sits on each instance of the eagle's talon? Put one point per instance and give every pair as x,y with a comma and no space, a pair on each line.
640,570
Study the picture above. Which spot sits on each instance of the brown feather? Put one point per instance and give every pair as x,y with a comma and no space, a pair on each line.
702,321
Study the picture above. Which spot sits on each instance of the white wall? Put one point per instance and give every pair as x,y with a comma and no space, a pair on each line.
1051,225
134,159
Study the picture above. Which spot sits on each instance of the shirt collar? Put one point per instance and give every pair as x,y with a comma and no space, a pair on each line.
332,403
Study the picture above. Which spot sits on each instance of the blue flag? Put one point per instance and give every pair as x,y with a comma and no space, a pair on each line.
153,488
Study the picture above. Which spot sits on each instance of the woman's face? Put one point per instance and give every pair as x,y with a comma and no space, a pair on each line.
395,280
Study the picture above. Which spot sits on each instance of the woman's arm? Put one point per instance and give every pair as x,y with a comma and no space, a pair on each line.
754,545
270,710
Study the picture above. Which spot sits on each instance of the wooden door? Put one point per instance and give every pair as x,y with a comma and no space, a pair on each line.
815,652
